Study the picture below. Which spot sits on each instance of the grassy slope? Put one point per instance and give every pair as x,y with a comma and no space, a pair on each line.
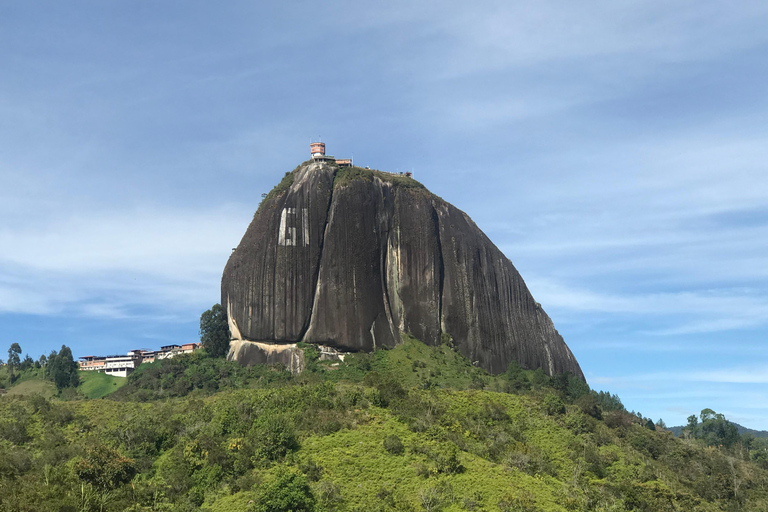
98,385
30,387
92,384
356,462
28,383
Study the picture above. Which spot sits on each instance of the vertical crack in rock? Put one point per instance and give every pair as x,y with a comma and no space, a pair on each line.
441,267
385,221
316,276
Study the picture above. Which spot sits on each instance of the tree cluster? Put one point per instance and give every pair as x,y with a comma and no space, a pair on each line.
214,331
713,430
59,367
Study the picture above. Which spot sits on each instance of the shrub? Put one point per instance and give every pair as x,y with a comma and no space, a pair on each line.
312,470
104,468
447,459
273,438
516,379
289,491
619,418
393,445
588,405
553,405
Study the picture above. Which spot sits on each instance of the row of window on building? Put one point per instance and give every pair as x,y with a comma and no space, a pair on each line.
122,366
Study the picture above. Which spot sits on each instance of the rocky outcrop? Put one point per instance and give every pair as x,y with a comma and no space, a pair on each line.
348,258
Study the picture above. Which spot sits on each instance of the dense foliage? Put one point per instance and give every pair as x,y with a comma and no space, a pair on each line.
345,175
14,351
59,367
414,428
214,331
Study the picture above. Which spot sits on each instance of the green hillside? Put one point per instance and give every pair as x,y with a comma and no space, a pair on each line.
414,428
28,382
30,387
98,385
33,381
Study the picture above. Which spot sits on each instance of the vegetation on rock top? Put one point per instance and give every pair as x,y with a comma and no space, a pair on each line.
345,175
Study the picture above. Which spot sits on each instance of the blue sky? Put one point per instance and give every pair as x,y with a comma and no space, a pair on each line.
615,151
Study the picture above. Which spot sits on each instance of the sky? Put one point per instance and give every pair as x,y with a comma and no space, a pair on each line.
616,152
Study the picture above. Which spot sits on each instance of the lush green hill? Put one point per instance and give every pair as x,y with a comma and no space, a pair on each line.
414,428
30,387
98,385
27,382
33,381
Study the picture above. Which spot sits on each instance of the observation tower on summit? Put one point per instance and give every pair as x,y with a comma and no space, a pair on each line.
317,150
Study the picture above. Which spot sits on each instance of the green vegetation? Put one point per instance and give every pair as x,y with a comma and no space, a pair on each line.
345,175
281,187
59,368
32,386
62,369
34,381
415,428
99,384
13,359
214,331
196,375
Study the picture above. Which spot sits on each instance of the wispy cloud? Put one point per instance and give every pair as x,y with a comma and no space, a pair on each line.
693,311
107,263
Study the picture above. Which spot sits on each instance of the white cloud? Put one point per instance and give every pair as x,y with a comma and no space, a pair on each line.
110,263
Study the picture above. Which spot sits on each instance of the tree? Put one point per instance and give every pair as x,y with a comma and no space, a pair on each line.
690,430
62,369
707,414
104,469
13,358
214,331
288,492
27,363
716,430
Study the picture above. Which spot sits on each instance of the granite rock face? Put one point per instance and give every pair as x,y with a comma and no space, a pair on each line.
348,258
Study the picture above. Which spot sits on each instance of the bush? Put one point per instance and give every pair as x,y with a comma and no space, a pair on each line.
516,379
312,470
553,405
273,438
288,491
588,405
104,468
447,460
393,445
